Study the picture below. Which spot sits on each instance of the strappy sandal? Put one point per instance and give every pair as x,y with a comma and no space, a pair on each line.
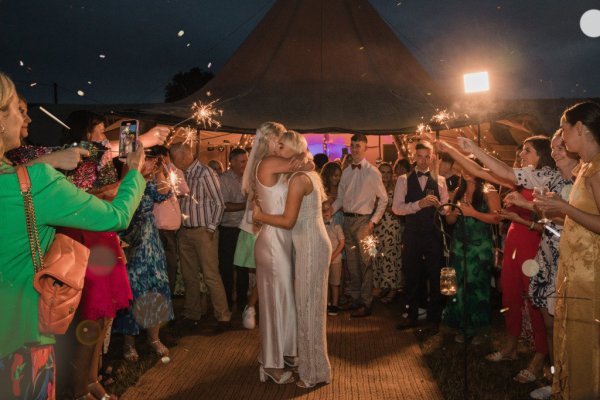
130,353
525,376
498,356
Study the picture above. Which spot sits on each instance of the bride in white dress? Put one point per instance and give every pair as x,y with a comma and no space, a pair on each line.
302,215
273,254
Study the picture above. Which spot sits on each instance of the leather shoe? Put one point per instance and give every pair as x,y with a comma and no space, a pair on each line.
406,323
362,311
349,306
222,326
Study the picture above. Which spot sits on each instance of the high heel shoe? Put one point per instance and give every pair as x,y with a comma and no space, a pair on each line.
286,377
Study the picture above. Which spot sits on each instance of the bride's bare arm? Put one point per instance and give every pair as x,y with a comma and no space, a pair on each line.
299,186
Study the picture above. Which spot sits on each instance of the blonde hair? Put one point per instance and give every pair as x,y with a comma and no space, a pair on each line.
295,141
7,92
260,150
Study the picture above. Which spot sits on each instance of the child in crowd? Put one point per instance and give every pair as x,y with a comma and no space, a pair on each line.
336,237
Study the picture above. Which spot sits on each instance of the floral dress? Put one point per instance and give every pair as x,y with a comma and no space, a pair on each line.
147,270
476,238
387,262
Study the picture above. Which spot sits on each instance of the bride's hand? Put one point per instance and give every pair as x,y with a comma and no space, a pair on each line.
256,211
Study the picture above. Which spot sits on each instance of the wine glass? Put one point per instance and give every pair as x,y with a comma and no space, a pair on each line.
542,191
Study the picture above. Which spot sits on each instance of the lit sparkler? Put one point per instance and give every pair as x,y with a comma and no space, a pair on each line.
441,117
369,245
173,182
205,114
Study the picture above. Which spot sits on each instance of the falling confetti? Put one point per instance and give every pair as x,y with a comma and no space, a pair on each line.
514,254
209,65
102,55
503,310
21,63
180,33
205,114
89,82
33,84
208,93
80,93
188,45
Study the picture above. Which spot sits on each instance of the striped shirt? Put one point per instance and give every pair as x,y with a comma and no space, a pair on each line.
204,205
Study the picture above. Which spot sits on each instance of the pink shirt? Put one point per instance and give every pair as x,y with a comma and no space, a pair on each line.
168,212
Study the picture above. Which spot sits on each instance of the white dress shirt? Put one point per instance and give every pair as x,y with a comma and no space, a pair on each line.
359,189
400,207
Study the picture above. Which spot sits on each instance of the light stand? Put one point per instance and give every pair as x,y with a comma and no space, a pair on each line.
439,214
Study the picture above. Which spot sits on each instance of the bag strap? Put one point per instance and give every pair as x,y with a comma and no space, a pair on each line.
32,232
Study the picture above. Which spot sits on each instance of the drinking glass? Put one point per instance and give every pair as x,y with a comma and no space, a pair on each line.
542,191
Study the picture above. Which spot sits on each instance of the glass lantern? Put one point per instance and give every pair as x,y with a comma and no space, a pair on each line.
448,281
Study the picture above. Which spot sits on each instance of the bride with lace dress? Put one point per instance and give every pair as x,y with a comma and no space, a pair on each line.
302,215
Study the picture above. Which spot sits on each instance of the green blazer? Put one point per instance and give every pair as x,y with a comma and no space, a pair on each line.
57,202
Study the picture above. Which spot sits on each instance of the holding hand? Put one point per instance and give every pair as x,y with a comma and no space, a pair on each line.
155,136
301,162
429,201
136,159
516,199
67,159
507,215
550,203
467,145
467,209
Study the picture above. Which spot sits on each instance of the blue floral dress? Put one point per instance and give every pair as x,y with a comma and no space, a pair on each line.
147,270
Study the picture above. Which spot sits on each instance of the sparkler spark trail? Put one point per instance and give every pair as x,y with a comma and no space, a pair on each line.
369,245
173,182
441,117
205,114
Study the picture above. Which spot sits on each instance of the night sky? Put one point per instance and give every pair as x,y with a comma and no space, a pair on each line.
532,48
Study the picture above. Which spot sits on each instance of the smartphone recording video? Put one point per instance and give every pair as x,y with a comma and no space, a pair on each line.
128,134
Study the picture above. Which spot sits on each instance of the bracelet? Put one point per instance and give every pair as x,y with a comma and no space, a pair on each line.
532,225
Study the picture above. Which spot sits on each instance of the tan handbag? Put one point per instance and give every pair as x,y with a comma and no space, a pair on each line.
59,274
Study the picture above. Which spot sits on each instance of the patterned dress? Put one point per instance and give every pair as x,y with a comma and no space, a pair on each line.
542,286
576,326
312,255
388,263
147,270
476,238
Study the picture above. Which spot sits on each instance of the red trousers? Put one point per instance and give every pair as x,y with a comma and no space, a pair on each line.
521,244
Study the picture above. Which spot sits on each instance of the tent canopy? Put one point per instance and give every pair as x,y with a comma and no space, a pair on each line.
320,66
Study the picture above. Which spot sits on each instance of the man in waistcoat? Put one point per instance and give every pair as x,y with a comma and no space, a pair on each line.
417,196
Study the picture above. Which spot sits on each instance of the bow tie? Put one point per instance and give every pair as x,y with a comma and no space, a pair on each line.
420,174
356,166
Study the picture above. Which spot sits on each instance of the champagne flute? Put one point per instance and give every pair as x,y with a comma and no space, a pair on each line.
542,191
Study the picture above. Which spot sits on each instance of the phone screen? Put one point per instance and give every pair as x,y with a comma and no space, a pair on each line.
128,135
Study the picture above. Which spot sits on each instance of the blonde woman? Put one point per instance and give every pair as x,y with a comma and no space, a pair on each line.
273,253
301,215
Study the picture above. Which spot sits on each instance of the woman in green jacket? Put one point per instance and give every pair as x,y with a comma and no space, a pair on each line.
26,355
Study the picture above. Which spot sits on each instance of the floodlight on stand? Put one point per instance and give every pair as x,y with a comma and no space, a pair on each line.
477,82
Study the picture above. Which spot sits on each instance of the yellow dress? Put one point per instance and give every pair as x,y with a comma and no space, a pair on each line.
577,317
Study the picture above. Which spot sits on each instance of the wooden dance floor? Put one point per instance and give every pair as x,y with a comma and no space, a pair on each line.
370,359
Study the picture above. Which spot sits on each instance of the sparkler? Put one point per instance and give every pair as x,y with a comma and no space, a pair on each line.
48,113
369,245
441,117
173,182
205,114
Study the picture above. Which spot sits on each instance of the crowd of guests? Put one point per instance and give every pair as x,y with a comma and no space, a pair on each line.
292,240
